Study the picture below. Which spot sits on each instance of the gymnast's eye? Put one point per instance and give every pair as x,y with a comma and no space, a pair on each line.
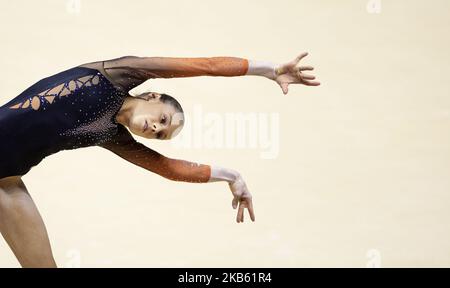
163,119
159,135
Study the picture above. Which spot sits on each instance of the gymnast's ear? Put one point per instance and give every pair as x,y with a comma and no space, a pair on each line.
149,96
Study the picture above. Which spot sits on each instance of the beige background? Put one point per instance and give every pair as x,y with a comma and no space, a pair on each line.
363,162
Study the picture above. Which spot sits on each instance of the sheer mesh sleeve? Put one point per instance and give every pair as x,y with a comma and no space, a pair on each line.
126,147
130,71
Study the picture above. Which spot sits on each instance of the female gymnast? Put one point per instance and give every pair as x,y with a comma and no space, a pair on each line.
89,105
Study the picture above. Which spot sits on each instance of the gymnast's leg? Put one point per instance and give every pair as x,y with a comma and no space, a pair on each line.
21,225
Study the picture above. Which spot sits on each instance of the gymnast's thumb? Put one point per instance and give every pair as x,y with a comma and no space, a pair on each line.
284,87
234,202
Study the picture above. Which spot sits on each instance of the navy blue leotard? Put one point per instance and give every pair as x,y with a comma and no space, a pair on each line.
72,109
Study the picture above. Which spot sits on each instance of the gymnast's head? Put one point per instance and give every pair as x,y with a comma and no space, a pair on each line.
152,115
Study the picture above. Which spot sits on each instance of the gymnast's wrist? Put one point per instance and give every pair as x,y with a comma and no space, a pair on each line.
223,174
262,68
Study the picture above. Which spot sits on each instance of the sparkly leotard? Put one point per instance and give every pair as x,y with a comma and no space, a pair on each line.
72,109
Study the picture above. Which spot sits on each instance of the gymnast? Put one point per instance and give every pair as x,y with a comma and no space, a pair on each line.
89,105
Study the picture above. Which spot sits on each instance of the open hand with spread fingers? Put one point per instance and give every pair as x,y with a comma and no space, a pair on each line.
294,73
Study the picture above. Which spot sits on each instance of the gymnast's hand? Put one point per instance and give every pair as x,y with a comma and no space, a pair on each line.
242,198
292,73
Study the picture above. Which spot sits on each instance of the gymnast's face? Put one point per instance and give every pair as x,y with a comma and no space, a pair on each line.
153,119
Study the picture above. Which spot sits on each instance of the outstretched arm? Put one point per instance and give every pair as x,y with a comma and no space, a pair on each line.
125,146
131,71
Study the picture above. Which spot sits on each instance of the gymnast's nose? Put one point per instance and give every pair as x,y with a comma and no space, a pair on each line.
156,128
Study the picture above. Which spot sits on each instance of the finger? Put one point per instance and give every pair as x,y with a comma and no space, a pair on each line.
303,76
284,87
250,210
305,68
240,212
307,76
311,83
244,205
234,202
301,56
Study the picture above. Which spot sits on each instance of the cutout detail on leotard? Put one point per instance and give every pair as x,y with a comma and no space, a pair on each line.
61,90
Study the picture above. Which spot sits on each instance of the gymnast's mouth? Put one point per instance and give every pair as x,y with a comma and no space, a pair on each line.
145,126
